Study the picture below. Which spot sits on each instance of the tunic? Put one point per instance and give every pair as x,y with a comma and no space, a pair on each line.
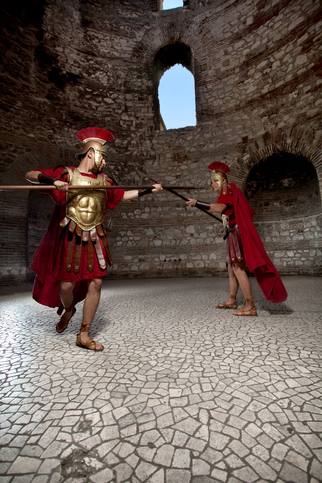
234,246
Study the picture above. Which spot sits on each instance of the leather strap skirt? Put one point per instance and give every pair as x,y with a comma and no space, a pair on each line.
234,246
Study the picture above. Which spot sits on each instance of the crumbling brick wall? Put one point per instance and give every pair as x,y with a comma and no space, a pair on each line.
257,68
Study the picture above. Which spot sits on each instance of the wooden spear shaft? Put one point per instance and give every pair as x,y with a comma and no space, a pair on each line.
171,190
78,187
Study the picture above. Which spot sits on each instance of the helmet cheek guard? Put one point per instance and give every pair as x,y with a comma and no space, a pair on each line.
100,153
219,177
94,138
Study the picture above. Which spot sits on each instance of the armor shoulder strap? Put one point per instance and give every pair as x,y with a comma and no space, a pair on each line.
69,173
64,172
225,188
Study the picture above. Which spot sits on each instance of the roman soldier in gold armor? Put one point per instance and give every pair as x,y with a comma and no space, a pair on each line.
72,259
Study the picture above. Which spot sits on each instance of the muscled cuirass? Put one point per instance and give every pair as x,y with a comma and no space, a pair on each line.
86,207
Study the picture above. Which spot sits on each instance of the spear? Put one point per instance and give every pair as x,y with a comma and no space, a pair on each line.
78,187
171,190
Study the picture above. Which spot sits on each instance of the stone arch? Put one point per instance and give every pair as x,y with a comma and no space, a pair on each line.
283,186
292,241
176,29
297,143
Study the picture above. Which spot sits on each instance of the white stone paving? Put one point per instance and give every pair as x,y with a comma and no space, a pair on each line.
183,392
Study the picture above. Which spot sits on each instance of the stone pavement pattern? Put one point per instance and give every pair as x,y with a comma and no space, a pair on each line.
183,392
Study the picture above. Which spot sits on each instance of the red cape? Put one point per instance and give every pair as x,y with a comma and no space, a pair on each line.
255,254
46,285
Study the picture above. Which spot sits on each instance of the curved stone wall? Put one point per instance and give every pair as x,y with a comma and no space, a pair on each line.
68,64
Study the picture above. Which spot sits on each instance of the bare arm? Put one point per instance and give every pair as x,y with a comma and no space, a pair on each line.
217,207
133,194
32,176
130,195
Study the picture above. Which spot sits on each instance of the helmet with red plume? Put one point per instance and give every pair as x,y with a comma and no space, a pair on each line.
90,137
219,173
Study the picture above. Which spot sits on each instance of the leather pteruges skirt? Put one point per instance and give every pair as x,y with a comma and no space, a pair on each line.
234,246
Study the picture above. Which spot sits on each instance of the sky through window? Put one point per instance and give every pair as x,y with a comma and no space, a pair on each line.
167,4
177,98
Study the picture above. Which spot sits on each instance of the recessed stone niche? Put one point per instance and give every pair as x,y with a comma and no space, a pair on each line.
282,187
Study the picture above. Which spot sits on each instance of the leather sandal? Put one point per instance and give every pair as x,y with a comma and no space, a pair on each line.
224,305
64,321
247,312
90,343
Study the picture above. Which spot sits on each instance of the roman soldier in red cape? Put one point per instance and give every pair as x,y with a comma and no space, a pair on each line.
73,257
243,244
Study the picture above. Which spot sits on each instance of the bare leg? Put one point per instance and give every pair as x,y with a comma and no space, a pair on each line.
66,296
90,306
233,287
66,293
243,280
233,283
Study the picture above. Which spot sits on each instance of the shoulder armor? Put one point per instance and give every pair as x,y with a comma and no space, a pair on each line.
68,173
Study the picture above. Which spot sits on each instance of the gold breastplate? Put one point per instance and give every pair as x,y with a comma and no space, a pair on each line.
86,207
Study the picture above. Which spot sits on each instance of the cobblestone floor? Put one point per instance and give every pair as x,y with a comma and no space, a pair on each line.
183,392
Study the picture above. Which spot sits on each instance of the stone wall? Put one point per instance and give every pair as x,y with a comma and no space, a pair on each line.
70,64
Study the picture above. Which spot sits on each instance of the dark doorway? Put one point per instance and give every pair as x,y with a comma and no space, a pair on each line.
283,186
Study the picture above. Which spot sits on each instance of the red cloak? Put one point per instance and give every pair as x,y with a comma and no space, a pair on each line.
255,254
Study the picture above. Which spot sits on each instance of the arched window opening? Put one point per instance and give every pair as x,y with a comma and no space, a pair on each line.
174,93
177,98
283,186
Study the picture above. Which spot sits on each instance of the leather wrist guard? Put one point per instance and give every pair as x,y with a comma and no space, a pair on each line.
144,192
45,179
203,205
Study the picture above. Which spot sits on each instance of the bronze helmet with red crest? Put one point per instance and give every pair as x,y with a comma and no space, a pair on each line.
94,138
219,173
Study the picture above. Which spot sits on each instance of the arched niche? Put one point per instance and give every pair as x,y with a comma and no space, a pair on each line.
283,186
165,58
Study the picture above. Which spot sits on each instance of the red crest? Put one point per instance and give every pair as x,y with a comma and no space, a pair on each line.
220,166
95,134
